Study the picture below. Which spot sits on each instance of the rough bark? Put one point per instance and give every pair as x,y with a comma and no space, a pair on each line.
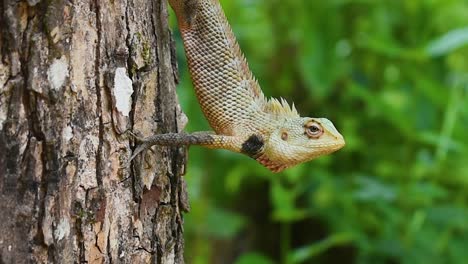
74,76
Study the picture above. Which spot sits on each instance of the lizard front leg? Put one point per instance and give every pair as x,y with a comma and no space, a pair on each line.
207,139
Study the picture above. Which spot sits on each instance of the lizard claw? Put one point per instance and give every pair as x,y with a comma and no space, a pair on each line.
135,136
137,151
141,147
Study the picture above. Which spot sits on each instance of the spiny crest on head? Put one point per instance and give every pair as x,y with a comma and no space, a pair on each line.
280,108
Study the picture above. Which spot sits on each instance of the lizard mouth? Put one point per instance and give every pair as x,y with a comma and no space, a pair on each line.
276,166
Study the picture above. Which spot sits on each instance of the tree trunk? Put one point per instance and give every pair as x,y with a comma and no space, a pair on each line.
74,77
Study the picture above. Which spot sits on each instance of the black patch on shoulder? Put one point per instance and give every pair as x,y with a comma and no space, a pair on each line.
253,145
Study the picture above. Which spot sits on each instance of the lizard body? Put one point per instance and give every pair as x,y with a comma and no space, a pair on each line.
243,120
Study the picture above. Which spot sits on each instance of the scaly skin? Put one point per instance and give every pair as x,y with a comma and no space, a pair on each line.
243,120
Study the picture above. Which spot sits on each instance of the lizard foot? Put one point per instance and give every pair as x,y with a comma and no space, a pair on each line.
135,136
145,144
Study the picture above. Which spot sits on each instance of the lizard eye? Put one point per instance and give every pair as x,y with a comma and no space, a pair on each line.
313,130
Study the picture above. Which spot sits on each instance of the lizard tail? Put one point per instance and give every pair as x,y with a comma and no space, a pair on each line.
186,11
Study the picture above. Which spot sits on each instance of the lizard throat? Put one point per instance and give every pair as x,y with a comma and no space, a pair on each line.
254,146
269,164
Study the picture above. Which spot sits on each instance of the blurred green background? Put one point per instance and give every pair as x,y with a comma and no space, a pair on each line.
393,78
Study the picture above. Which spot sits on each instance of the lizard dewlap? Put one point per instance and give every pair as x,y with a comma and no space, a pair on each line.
243,120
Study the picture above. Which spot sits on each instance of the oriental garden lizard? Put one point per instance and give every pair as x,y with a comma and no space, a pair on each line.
268,130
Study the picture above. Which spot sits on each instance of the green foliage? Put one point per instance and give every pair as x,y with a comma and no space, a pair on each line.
300,255
393,77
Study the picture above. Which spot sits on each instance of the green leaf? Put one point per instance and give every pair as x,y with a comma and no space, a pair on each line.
223,224
372,189
304,253
284,208
448,42
448,215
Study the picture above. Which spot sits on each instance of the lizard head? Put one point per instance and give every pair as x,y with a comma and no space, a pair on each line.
298,140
